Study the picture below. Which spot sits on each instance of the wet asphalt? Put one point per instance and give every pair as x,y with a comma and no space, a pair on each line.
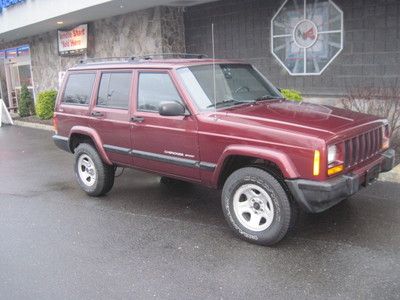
148,240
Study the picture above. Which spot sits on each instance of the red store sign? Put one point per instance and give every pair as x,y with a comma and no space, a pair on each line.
73,41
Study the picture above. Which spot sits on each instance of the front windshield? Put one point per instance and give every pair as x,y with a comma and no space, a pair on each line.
234,84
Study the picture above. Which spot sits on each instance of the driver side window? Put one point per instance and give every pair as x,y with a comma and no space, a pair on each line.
153,89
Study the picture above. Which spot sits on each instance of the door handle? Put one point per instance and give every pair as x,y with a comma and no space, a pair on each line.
137,119
97,114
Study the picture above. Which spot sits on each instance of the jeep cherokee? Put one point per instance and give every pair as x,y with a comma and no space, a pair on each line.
222,124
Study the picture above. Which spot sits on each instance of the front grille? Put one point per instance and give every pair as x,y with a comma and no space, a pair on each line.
362,147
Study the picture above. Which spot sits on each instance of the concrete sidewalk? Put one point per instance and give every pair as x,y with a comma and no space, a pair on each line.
392,176
34,125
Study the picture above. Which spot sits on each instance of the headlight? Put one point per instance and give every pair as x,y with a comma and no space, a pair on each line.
332,154
335,159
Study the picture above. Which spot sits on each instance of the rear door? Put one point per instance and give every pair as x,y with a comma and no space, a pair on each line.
110,113
163,144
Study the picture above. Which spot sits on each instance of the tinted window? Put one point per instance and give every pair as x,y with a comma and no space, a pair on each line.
114,90
79,88
155,88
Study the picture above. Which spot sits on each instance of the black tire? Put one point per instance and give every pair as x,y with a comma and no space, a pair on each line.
295,210
283,211
104,174
294,207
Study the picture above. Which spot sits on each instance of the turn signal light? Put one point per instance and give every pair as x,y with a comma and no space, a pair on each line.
317,160
55,123
335,169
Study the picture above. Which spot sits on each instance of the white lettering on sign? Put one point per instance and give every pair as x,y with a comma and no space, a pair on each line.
73,41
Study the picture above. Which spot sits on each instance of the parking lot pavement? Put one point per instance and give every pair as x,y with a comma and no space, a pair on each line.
145,239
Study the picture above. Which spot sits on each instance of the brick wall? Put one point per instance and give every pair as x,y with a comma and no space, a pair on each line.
370,57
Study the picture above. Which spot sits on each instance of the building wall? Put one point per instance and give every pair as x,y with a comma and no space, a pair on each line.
370,57
172,30
148,31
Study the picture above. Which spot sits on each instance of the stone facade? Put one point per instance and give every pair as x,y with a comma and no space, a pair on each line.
172,30
370,57
153,30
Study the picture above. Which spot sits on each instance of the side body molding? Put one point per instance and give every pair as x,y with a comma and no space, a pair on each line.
284,163
95,138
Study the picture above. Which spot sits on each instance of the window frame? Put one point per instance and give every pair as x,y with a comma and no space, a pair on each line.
100,75
273,36
194,102
64,87
174,83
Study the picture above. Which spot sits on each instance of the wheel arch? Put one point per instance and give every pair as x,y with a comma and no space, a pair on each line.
236,157
80,134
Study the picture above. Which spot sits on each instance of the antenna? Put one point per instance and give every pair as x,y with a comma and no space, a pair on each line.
213,56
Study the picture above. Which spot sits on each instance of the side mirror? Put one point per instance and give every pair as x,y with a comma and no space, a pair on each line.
172,108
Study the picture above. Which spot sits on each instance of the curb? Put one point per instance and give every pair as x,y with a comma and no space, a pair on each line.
33,125
391,176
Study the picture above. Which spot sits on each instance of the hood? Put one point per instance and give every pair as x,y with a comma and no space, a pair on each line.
319,120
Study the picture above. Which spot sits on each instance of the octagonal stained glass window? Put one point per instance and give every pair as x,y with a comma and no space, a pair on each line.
307,35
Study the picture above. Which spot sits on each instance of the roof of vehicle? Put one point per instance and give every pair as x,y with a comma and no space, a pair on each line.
150,63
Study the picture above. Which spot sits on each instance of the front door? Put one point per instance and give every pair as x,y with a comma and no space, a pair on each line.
163,144
110,114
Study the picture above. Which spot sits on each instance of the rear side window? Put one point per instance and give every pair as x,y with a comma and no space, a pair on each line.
114,90
155,88
79,88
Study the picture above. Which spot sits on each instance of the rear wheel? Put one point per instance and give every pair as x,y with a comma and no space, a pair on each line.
94,176
256,206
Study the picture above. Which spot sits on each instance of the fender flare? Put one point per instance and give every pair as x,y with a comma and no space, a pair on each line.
90,132
279,158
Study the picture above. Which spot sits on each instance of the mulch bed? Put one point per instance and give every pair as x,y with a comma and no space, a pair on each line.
34,119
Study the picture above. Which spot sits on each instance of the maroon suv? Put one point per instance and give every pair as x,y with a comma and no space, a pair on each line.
222,124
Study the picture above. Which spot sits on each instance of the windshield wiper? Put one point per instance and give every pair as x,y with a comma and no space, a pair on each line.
227,101
267,97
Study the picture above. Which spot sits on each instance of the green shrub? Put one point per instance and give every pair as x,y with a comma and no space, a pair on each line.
26,106
45,104
291,94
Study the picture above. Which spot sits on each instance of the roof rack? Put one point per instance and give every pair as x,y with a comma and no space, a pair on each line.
172,55
129,59
111,59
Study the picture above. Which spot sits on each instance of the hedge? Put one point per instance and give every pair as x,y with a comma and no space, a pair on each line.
291,94
45,104
26,106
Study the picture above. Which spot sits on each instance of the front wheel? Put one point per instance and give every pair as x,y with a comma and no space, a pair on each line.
256,206
94,176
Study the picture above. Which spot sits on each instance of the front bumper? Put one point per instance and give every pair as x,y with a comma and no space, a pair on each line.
315,196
